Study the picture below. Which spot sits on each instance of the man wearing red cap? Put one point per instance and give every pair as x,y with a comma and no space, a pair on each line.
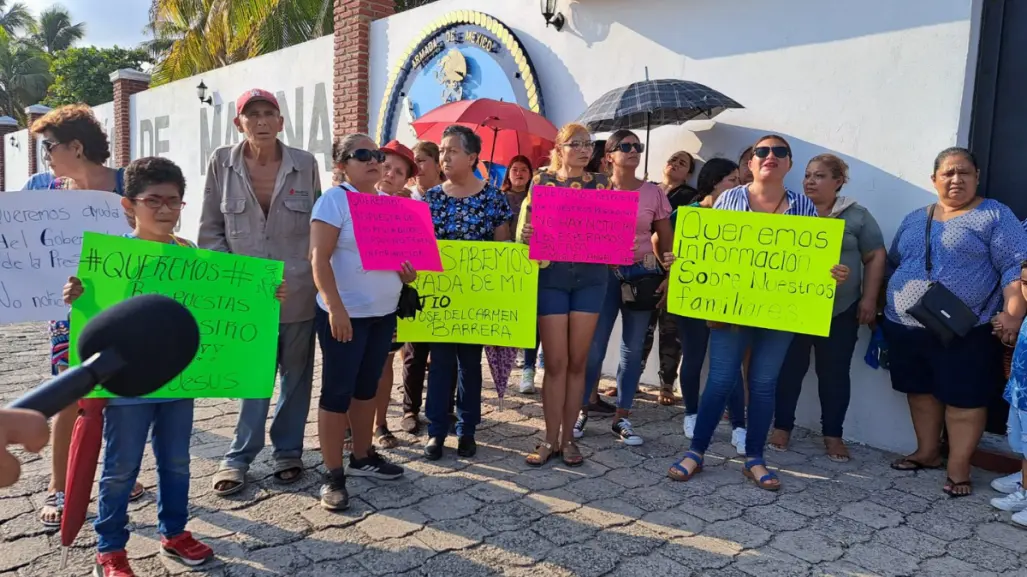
257,202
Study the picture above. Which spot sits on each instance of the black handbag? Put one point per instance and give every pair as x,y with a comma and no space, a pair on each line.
409,303
640,294
939,310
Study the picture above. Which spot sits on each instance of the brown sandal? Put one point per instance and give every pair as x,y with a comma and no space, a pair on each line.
572,455
543,452
667,398
779,440
836,450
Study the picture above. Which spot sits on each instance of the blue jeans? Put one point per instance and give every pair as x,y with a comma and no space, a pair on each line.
449,360
125,430
1016,432
634,325
531,355
695,338
727,349
833,355
296,364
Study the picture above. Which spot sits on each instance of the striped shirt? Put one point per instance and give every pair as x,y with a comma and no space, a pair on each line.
738,199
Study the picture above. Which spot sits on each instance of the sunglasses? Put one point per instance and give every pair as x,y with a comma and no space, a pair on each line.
155,202
579,145
765,151
627,147
49,145
365,155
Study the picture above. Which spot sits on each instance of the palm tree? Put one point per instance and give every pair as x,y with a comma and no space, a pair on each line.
55,32
16,18
193,36
24,76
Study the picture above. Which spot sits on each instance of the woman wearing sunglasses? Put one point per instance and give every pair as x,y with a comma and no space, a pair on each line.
76,148
355,322
645,278
570,296
771,161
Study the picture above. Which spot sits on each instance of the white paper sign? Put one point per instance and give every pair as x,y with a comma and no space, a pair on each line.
40,243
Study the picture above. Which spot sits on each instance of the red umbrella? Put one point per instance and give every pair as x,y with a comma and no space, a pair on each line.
506,129
83,455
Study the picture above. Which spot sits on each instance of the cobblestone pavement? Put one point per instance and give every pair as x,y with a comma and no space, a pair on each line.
617,515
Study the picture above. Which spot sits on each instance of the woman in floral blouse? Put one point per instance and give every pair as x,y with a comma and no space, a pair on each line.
462,208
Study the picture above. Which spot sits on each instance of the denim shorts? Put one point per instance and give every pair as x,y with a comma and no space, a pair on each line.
566,287
1016,431
351,370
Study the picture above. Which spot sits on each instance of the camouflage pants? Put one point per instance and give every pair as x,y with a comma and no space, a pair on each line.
670,347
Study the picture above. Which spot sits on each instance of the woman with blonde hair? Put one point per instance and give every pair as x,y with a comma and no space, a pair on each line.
570,296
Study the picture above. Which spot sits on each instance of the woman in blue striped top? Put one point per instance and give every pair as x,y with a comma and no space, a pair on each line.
770,162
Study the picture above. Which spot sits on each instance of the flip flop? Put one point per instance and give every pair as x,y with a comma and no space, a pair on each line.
137,492
55,502
288,470
235,478
950,486
907,464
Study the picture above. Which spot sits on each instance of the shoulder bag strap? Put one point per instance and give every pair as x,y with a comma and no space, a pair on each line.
927,241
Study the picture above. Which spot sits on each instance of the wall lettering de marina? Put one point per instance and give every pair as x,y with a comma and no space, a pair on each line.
752,269
230,296
487,294
41,236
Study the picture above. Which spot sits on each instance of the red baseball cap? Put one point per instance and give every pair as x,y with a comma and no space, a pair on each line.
255,95
399,149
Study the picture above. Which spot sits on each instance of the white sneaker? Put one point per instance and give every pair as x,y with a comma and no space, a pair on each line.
1013,502
520,359
1008,484
738,440
1020,518
690,425
527,382
622,428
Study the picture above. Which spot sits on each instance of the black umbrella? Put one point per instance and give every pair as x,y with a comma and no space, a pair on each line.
654,103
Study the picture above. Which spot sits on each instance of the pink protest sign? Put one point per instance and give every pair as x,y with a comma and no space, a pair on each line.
578,225
390,230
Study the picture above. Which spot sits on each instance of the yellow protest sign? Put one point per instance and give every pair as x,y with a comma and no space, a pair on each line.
761,270
487,294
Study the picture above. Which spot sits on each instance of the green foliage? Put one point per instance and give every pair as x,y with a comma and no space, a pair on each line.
83,74
55,32
24,76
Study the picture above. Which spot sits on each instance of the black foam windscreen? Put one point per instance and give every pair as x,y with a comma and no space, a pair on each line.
156,337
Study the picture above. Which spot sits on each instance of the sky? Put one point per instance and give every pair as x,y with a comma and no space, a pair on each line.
108,22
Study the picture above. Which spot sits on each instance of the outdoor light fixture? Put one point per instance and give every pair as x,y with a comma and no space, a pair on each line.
553,18
14,142
201,91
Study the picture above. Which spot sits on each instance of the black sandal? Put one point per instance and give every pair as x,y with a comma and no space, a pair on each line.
951,486
385,438
907,464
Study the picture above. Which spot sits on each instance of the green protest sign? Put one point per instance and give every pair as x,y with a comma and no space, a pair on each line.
231,297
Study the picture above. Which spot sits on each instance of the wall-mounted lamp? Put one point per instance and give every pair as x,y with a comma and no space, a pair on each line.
14,142
553,18
201,91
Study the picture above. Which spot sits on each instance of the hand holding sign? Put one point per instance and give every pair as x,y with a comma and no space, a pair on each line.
582,225
390,230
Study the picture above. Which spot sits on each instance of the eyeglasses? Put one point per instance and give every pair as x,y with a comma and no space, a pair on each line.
627,147
155,202
579,145
49,145
765,151
365,155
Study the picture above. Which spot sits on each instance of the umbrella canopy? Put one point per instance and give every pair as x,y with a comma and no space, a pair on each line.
506,129
83,455
654,103
501,361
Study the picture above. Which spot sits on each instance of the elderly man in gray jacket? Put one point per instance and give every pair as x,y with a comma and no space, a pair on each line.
257,202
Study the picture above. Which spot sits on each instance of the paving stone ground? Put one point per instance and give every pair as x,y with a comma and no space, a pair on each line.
617,515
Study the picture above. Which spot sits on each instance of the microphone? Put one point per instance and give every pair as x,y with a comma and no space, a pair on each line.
132,349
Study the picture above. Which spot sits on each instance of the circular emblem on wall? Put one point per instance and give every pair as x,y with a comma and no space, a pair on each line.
464,55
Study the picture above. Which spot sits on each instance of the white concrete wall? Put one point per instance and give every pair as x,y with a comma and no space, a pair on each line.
884,84
170,121
104,113
16,160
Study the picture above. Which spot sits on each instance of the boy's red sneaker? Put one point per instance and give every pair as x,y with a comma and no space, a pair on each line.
113,565
185,549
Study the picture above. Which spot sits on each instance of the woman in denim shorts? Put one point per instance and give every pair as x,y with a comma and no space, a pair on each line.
570,296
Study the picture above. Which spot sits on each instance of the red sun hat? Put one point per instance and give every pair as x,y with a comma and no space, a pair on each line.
255,95
399,149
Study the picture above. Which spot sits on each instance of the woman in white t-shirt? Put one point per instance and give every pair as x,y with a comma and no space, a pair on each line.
355,320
